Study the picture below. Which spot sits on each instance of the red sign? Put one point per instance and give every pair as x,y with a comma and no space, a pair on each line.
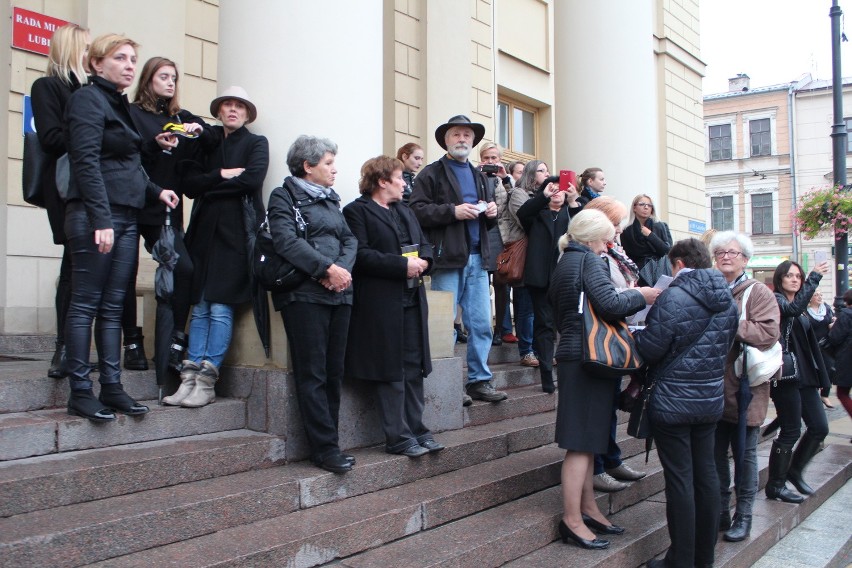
32,31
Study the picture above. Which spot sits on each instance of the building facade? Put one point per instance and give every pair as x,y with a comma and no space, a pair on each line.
545,78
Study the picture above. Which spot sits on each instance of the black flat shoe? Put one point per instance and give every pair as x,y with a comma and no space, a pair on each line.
414,451
566,534
549,389
83,403
335,464
600,527
349,457
432,445
113,396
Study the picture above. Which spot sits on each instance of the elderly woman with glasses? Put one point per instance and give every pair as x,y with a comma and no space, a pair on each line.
646,238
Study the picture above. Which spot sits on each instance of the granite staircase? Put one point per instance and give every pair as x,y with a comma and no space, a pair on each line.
205,487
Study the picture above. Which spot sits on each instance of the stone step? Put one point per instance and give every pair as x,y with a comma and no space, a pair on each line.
54,480
25,434
522,401
20,344
511,375
311,537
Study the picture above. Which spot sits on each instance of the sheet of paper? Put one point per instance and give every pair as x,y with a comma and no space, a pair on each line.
638,319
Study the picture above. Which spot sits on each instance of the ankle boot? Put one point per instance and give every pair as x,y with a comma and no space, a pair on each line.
776,487
113,396
134,350
203,392
724,520
83,403
740,528
189,370
807,449
57,368
177,350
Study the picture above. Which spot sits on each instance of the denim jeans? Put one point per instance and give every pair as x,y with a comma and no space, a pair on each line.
210,332
98,282
470,289
523,319
745,481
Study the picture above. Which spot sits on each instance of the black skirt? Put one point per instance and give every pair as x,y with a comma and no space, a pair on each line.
585,409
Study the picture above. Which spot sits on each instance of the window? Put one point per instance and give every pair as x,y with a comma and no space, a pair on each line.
761,137
761,214
720,142
848,138
517,130
722,213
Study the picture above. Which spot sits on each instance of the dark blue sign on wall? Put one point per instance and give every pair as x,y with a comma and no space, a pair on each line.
29,123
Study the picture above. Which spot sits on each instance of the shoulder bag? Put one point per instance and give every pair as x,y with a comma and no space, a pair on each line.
761,365
36,162
274,272
513,258
790,367
608,347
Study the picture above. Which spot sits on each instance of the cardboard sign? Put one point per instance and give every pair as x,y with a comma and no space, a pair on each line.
32,31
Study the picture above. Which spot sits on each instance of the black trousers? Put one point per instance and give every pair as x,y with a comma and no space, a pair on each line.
401,402
98,284
182,275
794,404
692,492
317,337
63,293
543,335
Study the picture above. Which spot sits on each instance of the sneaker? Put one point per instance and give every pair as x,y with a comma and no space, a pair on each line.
529,360
483,390
466,400
626,473
509,338
605,482
496,341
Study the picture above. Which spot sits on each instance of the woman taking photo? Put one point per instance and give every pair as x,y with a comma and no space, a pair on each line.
411,156
796,394
389,334
759,328
231,173
155,105
67,70
686,340
645,239
585,400
316,314
107,189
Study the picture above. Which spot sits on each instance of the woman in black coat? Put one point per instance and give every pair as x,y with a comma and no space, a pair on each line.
646,238
544,218
389,334
585,400
309,230
66,71
797,399
155,105
231,176
107,188
821,316
840,337
685,343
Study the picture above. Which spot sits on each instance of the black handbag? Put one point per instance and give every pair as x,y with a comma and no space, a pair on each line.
36,162
274,272
790,365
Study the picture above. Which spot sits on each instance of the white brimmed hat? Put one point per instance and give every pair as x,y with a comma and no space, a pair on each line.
236,93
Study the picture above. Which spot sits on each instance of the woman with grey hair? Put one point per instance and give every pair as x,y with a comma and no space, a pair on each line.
309,230
760,328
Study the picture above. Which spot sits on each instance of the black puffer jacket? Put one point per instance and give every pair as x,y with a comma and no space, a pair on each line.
688,334
564,294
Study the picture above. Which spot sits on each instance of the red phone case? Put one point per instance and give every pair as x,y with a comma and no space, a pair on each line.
566,177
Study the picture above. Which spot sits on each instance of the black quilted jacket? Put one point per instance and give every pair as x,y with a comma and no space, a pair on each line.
686,351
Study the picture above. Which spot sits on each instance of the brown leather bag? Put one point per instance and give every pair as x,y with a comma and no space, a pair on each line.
510,262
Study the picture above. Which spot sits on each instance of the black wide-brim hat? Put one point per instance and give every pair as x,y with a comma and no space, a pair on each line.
459,120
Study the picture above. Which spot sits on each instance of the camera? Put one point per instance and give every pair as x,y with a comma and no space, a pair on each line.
489,169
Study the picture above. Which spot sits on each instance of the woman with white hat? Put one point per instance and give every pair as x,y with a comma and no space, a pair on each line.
232,171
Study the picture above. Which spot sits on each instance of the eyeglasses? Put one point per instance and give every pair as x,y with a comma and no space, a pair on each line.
643,204
727,254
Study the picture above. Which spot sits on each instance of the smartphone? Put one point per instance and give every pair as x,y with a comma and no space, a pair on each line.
489,169
567,177
820,256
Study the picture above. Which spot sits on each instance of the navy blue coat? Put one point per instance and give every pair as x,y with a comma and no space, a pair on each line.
686,351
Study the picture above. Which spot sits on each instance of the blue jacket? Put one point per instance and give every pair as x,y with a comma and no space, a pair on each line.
686,351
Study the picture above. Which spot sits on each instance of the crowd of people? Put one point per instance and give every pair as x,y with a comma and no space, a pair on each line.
360,313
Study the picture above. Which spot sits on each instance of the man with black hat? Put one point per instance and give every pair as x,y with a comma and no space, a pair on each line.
455,208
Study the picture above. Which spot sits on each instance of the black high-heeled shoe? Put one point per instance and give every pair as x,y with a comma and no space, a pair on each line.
600,527
566,534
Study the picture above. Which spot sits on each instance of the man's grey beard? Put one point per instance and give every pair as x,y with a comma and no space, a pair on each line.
459,152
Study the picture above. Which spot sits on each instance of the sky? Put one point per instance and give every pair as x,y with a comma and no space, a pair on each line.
772,41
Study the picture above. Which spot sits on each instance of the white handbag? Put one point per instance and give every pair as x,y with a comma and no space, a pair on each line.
762,364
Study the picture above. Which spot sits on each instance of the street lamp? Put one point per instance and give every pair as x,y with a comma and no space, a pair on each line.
838,136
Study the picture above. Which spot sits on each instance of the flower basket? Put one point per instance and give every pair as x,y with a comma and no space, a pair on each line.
823,210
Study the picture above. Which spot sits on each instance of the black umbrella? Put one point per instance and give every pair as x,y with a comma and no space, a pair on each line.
164,253
744,397
260,302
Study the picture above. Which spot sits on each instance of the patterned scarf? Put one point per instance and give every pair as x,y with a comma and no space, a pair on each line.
626,266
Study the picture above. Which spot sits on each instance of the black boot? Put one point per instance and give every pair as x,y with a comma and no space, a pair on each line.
113,396
57,368
134,350
724,519
177,350
461,336
740,528
83,403
776,487
807,449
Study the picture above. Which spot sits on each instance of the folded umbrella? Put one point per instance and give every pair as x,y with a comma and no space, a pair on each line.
163,252
260,302
743,396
